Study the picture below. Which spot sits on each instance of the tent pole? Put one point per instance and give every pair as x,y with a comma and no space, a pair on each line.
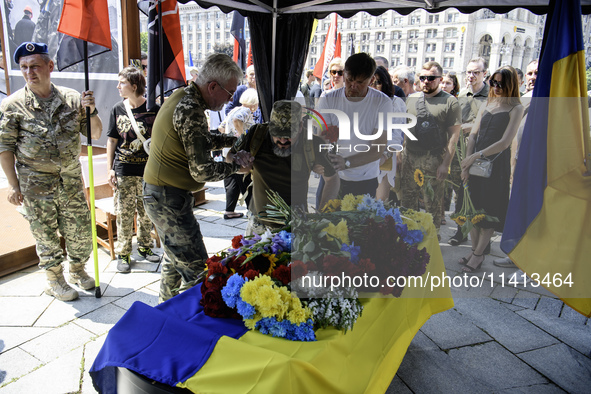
273,40
4,61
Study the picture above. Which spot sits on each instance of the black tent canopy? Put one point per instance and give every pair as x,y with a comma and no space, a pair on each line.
281,30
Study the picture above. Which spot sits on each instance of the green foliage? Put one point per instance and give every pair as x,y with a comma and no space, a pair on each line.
589,79
228,49
144,41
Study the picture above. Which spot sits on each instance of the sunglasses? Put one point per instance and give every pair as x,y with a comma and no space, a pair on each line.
429,78
376,82
494,83
144,66
335,72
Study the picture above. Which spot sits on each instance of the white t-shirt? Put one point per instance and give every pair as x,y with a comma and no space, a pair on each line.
369,110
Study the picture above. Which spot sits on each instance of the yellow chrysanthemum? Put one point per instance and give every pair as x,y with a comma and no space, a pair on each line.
251,323
299,315
349,203
478,218
419,177
332,206
340,231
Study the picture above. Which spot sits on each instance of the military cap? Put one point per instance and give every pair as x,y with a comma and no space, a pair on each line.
285,117
30,48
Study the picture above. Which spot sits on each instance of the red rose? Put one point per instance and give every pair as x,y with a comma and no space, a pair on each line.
282,274
216,268
311,266
214,305
251,274
214,259
237,242
298,269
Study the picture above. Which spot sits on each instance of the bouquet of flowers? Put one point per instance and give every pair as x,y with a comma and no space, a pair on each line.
468,217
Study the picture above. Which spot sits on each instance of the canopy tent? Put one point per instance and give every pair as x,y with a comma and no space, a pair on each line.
281,31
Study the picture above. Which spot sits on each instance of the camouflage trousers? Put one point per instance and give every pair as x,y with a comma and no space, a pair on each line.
171,211
66,211
455,175
128,201
411,191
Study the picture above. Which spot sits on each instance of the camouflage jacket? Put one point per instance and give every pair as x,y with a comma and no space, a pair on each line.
46,144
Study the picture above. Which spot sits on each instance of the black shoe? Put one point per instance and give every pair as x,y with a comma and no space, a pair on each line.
487,249
457,238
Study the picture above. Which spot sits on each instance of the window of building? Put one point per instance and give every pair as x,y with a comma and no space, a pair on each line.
208,46
208,25
190,27
411,62
208,16
182,28
431,47
431,33
364,36
380,35
218,15
227,36
364,48
396,35
397,21
450,46
452,17
396,48
429,59
415,20
217,36
366,23
413,47
380,48
313,50
218,24
199,46
395,62
433,19
448,62
228,24
413,34
451,33
199,36
208,36
190,37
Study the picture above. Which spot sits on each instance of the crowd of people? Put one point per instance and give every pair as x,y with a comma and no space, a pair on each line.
213,130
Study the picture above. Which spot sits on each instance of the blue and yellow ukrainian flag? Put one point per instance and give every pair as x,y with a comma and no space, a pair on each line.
547,230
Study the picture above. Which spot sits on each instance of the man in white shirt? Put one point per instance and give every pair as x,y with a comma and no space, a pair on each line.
357,152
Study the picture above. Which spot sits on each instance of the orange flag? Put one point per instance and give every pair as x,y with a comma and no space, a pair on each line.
328,52
87,20
337,51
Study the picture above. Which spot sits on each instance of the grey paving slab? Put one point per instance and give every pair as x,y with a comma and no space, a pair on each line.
504,293
57,342
216,245
22,311
23,284
549,306
526,299
505,326
155,287
570,314
445,375
449,330
124,284
512,307
547,388
213,230
421,342
50,378
145,295
16,363
11,337
564,366
101,320
398,387
496,367
59,313
91,350
574,334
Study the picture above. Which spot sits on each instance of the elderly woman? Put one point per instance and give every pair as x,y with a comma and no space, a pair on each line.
237,122
336,68
494,129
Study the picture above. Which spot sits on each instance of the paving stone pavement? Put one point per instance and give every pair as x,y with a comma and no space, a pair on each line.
498,338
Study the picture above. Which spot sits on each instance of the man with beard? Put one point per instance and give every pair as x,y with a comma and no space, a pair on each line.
439,119
180,162
283,160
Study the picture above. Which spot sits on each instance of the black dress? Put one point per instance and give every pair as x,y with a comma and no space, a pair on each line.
492,194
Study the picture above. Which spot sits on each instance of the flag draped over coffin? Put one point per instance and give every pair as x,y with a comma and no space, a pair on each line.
547,227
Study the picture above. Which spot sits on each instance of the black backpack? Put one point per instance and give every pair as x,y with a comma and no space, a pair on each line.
429,135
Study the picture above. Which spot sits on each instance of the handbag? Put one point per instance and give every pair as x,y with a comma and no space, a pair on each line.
482,167
142,140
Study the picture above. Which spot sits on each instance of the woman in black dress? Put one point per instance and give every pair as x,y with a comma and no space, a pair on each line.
494,128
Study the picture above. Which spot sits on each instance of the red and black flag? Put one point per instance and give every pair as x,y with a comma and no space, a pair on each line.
166,61
237,30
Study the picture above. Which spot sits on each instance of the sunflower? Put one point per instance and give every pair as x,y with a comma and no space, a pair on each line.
419,177
478,218
460,220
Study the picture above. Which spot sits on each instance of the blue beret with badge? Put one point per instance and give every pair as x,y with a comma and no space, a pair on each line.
30,48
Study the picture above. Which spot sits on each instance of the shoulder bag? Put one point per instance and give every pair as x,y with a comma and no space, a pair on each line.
144,142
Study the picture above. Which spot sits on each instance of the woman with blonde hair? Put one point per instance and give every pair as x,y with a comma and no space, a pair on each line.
494,128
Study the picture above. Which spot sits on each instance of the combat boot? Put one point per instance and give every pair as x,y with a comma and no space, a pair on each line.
57,286
79,277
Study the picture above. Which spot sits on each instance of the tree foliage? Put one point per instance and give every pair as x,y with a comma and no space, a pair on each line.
228,49
144,41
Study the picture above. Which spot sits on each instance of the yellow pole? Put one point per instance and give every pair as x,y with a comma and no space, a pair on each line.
97,283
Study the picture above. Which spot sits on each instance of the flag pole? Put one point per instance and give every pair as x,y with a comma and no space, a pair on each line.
161,50
97,284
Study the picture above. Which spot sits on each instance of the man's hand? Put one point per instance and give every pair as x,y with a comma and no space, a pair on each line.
88,100
243,158
15,196
318,169
112,179
338,161
442,172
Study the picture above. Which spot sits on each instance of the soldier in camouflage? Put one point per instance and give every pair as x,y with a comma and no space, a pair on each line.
180,163
40,127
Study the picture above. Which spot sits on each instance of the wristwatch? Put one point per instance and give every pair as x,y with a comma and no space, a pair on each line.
347,164
481,155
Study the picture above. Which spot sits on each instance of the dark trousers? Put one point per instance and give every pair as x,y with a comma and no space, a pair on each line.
235,185
368,186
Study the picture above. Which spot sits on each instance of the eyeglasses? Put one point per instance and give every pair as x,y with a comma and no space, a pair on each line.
429,78
144,66
225,90
376,82
475,73
494,83
335,72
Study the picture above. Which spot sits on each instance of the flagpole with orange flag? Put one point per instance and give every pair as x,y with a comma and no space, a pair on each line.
328,52
88,20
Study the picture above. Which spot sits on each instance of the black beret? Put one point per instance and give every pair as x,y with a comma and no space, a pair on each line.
30,48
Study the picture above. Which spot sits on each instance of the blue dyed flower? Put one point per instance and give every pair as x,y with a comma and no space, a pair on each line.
413,237
246,310
281,242
231,292
353,251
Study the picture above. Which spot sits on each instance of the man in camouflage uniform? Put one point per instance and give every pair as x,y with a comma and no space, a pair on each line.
283,160
40,127
438,126
180,162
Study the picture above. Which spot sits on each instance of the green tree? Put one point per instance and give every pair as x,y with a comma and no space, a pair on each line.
144,41
589,79
228,49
